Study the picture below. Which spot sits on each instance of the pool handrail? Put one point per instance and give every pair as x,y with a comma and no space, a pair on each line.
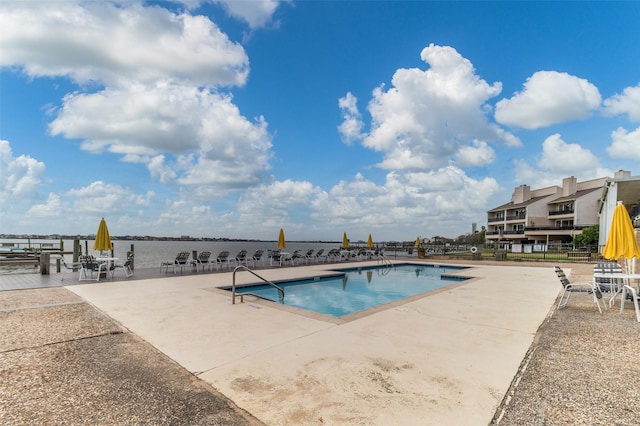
233,284
383,260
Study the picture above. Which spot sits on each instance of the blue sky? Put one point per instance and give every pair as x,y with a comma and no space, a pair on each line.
237,118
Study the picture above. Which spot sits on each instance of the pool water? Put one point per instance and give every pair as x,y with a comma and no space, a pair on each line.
358,289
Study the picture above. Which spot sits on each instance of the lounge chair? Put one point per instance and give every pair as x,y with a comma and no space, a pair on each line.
223,258
577,287
319,256
241,258
181,261
202,259
257,257
308,257
334,255
297,256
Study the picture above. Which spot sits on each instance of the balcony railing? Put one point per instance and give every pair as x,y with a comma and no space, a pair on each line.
558,212
495,219
511,232
556,228
521,216
540,228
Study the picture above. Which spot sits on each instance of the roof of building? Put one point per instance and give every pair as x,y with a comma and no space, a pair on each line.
570,197
512,205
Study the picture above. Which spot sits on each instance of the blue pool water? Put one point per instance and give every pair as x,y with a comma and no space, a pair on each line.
358,289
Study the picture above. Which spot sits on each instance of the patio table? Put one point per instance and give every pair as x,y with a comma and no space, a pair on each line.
617,275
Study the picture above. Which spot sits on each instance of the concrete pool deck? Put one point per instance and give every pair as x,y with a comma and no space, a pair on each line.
446,358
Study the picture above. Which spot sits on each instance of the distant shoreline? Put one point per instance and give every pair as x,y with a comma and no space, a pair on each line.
148,238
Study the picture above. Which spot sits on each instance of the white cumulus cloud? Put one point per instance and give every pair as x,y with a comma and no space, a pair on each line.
429,118
151,87
479,153
408,201
549,97
217,144
274,204
19,176
558,160
256,13
352,123
566,157
625,144
100,198
626,103
108,43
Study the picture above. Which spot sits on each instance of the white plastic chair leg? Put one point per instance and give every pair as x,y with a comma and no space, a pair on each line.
634,295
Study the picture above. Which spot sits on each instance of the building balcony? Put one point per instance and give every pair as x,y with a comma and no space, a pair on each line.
561,212
512,232
495,219
556,228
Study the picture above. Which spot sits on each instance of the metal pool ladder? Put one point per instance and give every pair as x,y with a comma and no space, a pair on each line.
233,285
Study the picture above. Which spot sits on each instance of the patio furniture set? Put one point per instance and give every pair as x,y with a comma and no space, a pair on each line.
607,278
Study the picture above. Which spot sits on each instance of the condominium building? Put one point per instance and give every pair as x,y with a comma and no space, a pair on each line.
554,214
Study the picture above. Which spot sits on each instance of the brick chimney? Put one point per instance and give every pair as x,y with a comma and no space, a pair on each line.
521,194
569,186
621,174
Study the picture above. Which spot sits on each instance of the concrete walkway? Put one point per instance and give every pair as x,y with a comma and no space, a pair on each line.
447,358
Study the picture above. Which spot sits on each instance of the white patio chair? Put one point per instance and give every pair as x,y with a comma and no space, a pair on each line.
634,297
72,266
126,266
91,269
286,257
577,287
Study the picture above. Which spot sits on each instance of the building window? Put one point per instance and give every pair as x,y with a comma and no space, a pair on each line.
566,207
563,224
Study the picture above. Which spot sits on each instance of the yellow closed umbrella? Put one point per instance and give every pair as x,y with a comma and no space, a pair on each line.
345,241
281,241
103,240
621,241
370,242
418,242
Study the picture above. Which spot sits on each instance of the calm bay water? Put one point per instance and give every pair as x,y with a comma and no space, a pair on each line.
150,254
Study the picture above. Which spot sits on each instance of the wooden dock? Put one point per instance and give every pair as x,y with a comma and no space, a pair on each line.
60,279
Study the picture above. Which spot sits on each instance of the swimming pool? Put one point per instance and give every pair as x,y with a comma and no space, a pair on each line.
354,290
